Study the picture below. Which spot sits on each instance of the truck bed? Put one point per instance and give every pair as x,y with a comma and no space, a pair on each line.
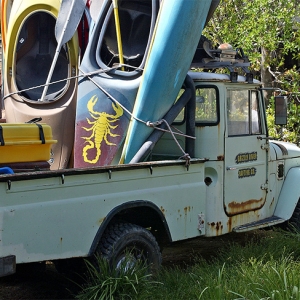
48,215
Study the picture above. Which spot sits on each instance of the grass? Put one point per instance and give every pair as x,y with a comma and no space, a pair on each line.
266,268
102,283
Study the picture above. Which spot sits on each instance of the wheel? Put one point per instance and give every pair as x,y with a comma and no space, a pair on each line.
126,241
294,222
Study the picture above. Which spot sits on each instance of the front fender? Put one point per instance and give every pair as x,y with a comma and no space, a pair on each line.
289,194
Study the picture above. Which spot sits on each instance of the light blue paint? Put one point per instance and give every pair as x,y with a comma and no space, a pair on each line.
179,27
289,194
177,78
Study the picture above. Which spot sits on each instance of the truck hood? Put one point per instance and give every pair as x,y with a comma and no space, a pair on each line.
285,150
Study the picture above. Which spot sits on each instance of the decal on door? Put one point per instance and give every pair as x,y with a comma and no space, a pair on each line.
249,172
246,157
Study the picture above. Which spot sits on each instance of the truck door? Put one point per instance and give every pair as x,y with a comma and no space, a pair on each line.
245,155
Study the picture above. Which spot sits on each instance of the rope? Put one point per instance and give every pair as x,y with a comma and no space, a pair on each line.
147,123
185,156
100,71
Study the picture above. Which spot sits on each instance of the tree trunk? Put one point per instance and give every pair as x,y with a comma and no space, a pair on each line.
266,76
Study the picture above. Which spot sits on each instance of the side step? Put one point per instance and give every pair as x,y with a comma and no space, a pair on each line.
271,221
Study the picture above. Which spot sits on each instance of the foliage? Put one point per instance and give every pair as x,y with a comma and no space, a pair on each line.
103,283
267,267
257,24
290,132
263,269
268,32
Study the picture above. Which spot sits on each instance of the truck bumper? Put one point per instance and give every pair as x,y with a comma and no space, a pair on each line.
7,265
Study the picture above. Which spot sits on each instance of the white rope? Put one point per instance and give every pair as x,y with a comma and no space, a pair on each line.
154,125
147,123
100,71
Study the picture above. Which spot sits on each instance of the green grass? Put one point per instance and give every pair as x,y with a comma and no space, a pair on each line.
265,268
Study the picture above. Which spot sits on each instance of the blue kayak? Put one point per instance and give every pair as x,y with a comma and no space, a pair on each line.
177,33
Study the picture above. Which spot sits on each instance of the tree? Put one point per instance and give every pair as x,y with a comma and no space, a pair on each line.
269,33
265,29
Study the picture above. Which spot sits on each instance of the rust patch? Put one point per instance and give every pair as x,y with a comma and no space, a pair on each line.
187,209
235,208
220,157
217,226
163,210
229,224
272,202
101,220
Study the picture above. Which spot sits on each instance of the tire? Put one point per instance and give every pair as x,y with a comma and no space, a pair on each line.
122,241
294,222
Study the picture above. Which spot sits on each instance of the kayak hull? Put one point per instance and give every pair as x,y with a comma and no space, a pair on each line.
31,45
178,30
106,98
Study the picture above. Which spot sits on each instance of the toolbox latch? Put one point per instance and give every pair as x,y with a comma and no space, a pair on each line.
1,136
41,133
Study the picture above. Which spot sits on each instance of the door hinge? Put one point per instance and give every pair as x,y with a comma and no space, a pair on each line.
264,186
265,146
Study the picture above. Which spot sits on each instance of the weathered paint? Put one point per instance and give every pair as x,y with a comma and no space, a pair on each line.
45,200
252,204
216,227
289,195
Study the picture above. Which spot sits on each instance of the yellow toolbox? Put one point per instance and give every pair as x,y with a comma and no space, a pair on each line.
25,142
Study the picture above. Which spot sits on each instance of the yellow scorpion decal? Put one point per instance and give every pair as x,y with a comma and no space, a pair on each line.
101,129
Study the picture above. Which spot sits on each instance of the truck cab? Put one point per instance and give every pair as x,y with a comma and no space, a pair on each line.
244,168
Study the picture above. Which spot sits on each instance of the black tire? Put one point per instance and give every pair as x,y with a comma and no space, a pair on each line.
121,239
294,222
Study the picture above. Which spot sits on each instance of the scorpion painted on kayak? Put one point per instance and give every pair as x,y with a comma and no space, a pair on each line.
101,129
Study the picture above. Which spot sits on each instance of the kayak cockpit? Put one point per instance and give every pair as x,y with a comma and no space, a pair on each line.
36,45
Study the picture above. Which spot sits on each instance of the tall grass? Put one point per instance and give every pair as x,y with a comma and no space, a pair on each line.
101,282
267,268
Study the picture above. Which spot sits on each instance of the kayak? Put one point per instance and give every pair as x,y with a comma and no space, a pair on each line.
5,14
30,48
178,30
107,95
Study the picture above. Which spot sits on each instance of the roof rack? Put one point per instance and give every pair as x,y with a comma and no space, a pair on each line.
223,57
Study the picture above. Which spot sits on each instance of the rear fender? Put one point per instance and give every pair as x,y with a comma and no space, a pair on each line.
145,209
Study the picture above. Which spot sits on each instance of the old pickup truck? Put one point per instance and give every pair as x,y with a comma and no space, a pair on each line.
222,173
237,179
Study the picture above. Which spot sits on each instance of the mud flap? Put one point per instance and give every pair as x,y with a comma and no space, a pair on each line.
7,265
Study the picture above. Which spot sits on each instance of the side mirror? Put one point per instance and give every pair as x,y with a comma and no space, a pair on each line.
280,110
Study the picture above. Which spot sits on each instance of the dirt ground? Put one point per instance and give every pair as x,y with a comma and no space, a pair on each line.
30,282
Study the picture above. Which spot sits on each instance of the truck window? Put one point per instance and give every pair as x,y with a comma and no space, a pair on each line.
206,106
207,111
243,112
